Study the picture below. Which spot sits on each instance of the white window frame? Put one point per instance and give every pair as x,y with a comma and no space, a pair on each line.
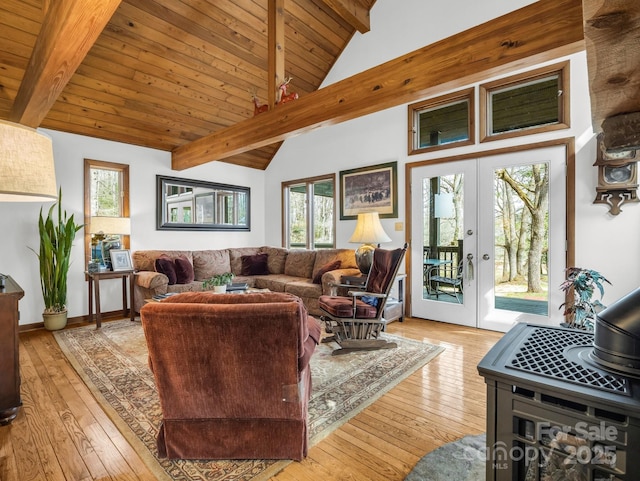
309,182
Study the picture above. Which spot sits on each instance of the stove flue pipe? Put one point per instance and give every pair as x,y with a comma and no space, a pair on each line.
617,335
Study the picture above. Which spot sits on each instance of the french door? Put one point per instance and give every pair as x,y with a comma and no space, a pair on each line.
488,239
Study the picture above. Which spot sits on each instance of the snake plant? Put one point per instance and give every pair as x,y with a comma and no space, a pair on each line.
57,233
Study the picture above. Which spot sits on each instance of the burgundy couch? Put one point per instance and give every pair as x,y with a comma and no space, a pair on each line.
232,372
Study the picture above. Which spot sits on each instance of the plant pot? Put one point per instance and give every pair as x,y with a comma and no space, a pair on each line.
55,321
220,289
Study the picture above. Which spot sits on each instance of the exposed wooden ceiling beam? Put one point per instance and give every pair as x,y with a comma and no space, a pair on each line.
546,25
352,12
276,49
612,35
68,32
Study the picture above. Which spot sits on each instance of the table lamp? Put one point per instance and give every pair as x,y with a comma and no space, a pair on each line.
369,232
102,227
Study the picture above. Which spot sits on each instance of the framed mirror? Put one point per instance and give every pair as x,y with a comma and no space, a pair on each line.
184,204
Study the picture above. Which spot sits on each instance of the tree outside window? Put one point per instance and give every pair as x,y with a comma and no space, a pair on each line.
309,213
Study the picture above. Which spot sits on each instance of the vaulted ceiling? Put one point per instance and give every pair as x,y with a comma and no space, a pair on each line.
163,73
179,75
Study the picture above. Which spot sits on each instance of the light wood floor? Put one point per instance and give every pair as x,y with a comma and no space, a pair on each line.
61,433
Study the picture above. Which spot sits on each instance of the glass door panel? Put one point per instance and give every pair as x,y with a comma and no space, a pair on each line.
488,239
444,222
443,197
522,239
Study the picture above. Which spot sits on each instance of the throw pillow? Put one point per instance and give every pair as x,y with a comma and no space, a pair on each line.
371,300
164,265
255,265
184,271
329,266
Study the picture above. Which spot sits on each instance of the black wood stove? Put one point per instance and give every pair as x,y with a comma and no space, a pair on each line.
563,404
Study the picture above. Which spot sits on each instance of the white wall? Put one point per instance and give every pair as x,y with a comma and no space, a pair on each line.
398,28
603,242
18,221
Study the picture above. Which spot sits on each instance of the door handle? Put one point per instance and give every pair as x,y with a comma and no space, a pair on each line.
486,257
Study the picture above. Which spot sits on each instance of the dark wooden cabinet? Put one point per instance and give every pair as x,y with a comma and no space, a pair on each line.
10,401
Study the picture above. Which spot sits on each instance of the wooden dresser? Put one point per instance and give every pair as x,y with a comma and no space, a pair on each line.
10,401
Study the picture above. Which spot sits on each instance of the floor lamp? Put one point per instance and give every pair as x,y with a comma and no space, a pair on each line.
369,232
27,171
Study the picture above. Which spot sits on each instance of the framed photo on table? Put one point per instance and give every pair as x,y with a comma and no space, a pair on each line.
107,246
121,260
369,188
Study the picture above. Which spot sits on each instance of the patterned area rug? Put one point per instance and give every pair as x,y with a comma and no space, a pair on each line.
112,361
461,460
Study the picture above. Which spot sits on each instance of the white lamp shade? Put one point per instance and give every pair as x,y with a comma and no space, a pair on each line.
110,225
443,205
27,171
369,230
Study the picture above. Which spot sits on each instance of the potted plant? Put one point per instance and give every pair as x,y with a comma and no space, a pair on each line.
581,284
218,282
57,233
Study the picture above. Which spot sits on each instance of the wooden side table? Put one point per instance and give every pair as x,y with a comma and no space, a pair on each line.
395,307
94,279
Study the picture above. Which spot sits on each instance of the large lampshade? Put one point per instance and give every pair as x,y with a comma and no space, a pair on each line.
27,171
369,232
110,225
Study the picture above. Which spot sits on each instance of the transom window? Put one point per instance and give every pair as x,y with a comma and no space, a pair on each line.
442,122
309,213
525,104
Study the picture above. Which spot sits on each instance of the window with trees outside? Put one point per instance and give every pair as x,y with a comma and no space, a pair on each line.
309,213
525,104
442,122
106,187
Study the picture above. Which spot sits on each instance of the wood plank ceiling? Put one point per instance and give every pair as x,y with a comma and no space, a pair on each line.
164,74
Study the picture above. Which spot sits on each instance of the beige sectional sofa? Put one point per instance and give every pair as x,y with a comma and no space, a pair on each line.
289,271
